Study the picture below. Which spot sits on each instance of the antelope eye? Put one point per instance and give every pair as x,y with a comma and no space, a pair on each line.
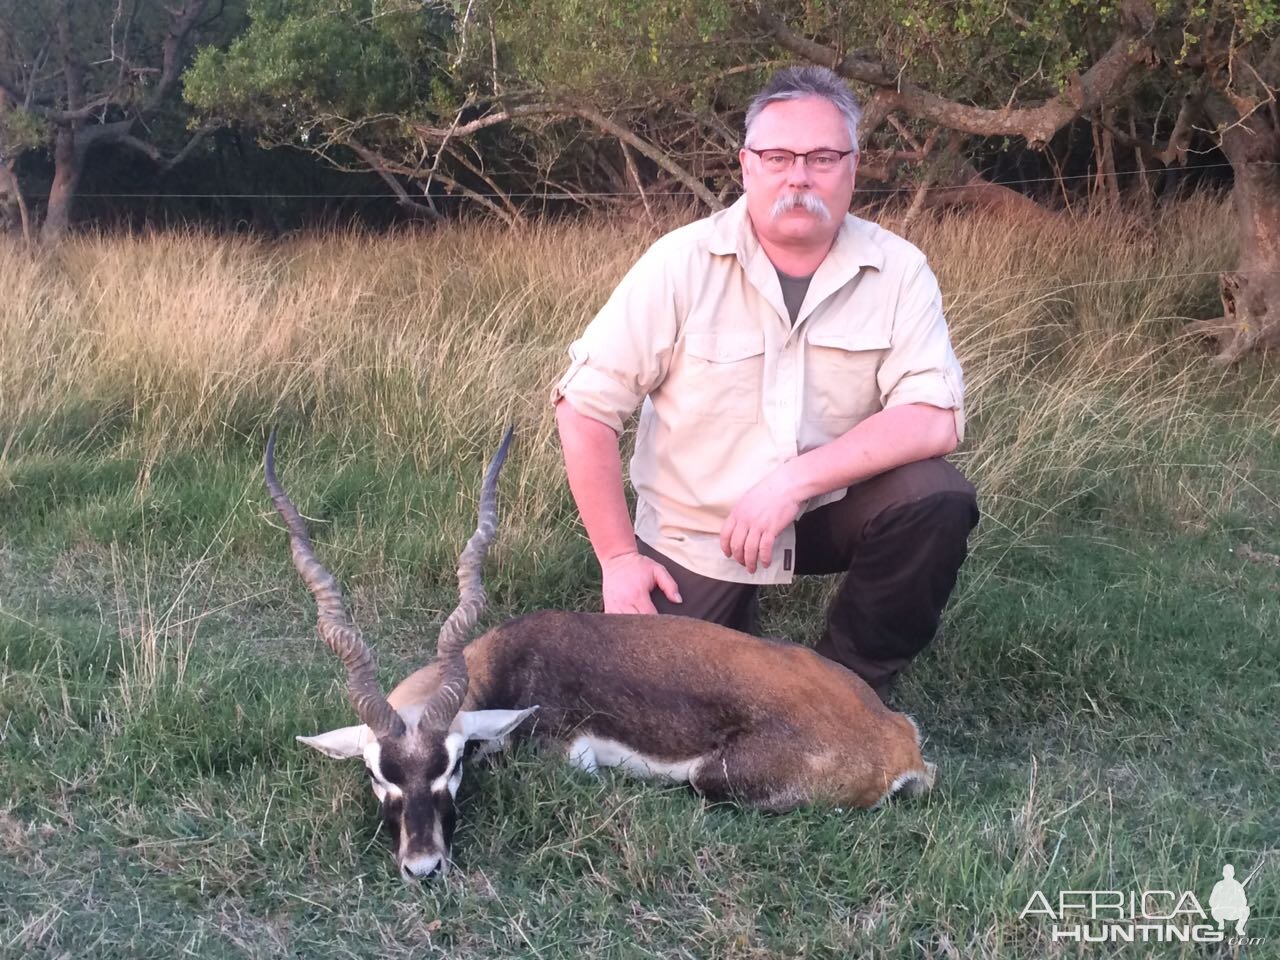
390,809
380,788
448,778
455,780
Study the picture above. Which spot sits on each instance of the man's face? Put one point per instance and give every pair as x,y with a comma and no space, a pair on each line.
782,204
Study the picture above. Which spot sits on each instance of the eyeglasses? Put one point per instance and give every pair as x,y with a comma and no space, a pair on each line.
819,161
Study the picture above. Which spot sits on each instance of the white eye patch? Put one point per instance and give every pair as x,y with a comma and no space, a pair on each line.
382,787
452,775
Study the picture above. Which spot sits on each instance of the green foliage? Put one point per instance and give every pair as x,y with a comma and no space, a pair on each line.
303,59
73,66
620,54
982,51
678,75
117,47
977,51
22,130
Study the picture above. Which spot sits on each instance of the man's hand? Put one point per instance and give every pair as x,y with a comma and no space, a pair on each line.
628,581
764,511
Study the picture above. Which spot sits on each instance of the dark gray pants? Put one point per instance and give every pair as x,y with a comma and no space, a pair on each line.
899,538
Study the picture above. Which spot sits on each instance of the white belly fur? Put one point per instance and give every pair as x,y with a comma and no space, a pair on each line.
590,753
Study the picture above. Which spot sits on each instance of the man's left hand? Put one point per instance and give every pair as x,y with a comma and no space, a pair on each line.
764,511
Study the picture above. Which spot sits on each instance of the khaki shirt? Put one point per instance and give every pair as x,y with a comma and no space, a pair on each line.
698,331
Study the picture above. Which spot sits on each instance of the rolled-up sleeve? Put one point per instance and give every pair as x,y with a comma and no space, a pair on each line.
625,351
921,366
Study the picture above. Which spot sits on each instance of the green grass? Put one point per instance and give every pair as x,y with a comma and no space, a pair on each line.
1101,703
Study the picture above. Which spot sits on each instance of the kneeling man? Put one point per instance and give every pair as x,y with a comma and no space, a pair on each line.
799,392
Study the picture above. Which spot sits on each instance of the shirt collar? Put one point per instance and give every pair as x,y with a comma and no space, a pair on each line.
854,247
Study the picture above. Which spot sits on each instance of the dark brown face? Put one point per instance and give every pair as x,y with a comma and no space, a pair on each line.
415,778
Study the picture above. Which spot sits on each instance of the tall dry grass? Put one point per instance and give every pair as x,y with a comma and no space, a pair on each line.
1077,365
141,345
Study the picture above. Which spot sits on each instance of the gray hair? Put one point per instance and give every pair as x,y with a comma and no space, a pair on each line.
795,83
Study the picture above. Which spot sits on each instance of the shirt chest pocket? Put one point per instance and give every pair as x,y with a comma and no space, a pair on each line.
840,374
724,375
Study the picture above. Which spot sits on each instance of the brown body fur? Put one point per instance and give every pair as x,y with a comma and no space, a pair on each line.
770,724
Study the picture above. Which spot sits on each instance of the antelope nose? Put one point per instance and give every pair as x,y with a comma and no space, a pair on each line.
412,872
420,868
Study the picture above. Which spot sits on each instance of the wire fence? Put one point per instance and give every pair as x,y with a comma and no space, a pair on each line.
579,195
593,194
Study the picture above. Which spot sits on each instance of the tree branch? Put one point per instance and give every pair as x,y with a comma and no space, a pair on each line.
88,137
83,112
9,184
12,92
634,172
477,197
416,173
184,18
601,122
479,174
1174,150
71,68
129,140
592,116
878,164
190,146
441,134
1097,85
379,166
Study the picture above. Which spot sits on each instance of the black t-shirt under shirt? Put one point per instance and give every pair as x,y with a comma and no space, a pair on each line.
793,291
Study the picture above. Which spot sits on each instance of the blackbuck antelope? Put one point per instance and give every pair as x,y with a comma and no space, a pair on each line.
765,723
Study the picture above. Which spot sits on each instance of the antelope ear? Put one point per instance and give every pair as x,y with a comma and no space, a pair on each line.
341,744
488,724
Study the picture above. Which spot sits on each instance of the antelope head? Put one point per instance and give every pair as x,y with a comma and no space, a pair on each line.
414,756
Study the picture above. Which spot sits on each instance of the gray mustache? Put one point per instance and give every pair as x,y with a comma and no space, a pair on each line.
808,201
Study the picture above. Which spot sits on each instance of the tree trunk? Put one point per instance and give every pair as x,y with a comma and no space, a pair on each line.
1251,293
1146,200
68,163
9,185
1107,162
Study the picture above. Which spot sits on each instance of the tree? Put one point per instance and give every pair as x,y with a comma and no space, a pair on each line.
454,97
491,98
1219,59
941,75
650,84
1230,62
339,79
76,75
